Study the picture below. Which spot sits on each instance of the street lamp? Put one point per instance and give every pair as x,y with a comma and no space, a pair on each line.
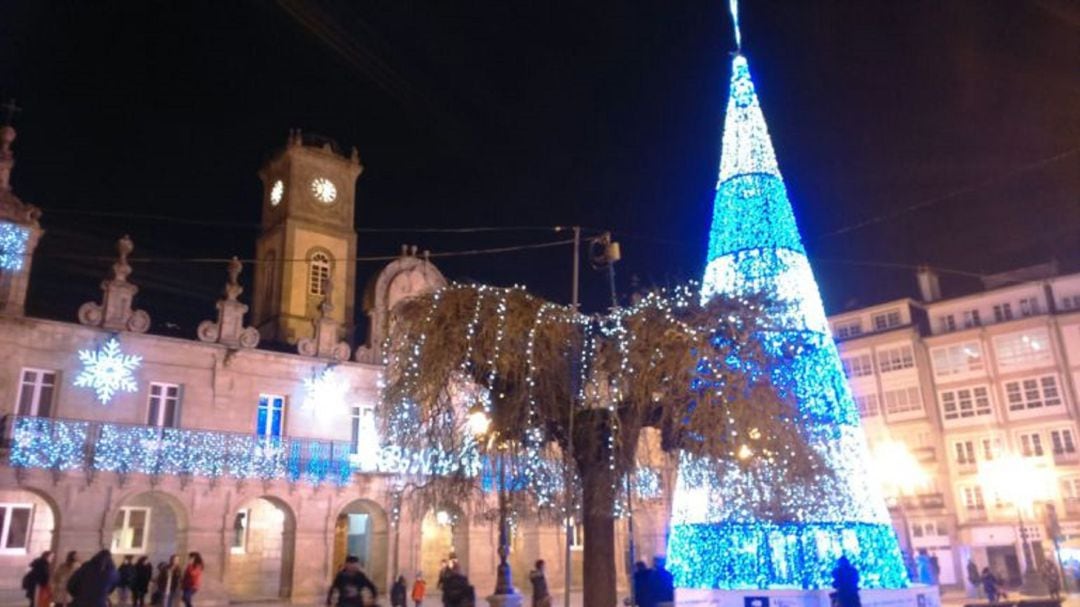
1023,484
901,474
479,422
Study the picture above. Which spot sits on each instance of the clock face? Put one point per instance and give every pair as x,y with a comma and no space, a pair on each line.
324,190
276,192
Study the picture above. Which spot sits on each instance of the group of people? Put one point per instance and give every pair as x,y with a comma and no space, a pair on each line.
92,584
992,584
355,589
653,587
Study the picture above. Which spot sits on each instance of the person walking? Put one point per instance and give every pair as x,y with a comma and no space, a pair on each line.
94,581
36,581
351,584
398,595
126,571
168,581
540,595
60,578
990,585
846,582
974,577
925,567
1052,577
457,592
642,596
419,589
661,584
140,581
192,579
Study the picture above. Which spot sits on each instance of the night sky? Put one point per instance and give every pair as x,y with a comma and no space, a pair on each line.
908,132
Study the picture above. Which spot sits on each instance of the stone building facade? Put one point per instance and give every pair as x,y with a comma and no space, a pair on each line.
266,462
964,383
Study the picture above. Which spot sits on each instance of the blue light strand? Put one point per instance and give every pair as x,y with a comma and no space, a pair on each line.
734,527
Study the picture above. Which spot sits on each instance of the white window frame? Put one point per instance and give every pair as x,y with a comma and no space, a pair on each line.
320,265
1028,394
120,534
972,397
868,405
1003,312
1024,349
972,319
1029,306
163,400
972,498
858,365
33,408
267,433
846,329
947,322
957,359
1031,444
964,452
5,527
357,415
883,321
577,535
243,534
895,358
1066,438
903,403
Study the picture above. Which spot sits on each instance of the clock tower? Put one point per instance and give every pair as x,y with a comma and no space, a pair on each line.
307,238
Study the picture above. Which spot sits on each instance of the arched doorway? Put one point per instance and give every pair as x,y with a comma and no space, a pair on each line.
153,524
444,533
28,524
362,530
261,539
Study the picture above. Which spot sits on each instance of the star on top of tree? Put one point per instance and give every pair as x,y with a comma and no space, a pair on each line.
108,370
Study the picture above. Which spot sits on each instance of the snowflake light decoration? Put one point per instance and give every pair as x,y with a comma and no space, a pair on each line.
108,370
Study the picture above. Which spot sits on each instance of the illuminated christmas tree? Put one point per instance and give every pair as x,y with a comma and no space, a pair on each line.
732,528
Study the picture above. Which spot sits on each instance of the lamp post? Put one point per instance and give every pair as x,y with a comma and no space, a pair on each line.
505,594
901,474
1022,483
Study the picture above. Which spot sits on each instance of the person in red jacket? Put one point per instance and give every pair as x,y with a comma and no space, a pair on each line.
192,578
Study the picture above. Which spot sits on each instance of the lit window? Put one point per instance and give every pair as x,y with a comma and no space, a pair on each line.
903,400
130,531
15,528
1003,312
858,366
1070,488
1063,441
894,359
1031,445
965,403
957,359
270,422
577,534
318,273
1032,393
36,390
1071,302
164,405
1026,349
991,448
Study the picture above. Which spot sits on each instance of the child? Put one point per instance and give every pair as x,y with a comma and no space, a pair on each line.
418,589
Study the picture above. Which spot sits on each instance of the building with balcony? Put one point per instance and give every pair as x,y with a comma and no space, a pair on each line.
964,382
266,460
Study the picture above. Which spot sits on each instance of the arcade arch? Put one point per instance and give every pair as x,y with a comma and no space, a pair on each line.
261,539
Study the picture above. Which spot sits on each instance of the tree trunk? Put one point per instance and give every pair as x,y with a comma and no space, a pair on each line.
598,514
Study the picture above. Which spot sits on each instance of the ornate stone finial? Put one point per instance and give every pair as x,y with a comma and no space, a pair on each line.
114,312
7,137
325,343
404,250
229,328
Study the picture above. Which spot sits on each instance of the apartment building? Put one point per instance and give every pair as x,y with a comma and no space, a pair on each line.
966,382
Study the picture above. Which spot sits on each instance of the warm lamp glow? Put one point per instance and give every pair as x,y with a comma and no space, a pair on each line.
898,469
1020,480
478,421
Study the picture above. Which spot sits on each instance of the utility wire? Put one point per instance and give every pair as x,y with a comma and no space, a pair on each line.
445,254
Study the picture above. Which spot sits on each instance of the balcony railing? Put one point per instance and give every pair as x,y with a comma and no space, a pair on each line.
64,444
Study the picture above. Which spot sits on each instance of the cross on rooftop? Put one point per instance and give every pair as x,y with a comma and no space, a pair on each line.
9,109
